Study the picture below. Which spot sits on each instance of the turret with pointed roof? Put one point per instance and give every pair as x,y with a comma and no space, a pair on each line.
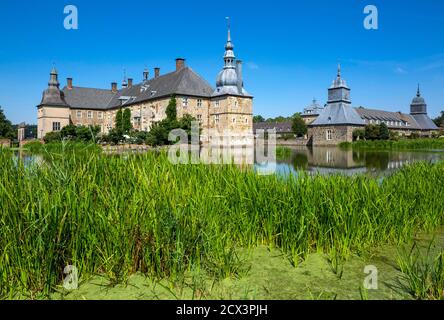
339,110
52,96
418,110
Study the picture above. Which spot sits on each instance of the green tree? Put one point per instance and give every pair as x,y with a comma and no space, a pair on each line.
258,118
6,129
118,123
299,126
158,135
358,134
53,136
171,110
69,132
439,121
87,134
384,133
127,126
371,132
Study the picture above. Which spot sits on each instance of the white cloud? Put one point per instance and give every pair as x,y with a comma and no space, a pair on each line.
400,70
252,66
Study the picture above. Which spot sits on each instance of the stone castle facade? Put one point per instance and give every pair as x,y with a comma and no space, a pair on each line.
336,121
224,111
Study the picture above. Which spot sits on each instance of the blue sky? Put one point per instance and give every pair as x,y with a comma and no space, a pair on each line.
290,48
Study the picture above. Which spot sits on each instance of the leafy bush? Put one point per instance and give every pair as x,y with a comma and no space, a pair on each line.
299,126
358,134
53,136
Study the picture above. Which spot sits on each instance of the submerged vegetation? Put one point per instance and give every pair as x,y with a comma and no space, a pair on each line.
283,152
403,144
118,215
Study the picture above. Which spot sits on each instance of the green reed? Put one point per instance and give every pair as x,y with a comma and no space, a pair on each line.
117,215
402,144
423,273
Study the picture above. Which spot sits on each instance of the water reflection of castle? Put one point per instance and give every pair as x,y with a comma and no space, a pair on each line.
335,158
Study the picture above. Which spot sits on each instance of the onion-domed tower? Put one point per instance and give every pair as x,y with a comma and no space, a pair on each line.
231,110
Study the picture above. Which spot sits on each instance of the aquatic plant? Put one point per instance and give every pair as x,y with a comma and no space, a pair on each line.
283,152
117,215
402,144
423,273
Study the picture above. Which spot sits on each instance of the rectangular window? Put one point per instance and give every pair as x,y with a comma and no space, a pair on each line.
199,102
199,117
79,114
90,114
216,118
235,104
56,126
100,115
216,103
329,135
185,102
234,120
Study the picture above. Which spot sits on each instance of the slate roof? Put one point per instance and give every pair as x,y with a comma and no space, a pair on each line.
88,98
415,121
424,122
182,82
281,127
338,114
53,97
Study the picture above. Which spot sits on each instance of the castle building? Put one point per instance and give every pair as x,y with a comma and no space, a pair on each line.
311,112
227,109
339,119
336,122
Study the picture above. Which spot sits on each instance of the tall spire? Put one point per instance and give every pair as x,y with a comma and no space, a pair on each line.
418,93
124,83
339,69
229,29
229,53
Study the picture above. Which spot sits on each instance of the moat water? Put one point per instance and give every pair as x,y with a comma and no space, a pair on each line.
324,160
332,160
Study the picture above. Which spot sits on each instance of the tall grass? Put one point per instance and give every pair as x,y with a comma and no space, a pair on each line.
423,273
116,215
403,144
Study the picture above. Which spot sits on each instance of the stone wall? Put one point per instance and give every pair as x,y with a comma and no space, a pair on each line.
339,133
292,142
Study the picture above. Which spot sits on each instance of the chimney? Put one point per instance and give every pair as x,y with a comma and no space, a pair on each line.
146,75
156,72
130,82
180,63
114,87
240,79
69,83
